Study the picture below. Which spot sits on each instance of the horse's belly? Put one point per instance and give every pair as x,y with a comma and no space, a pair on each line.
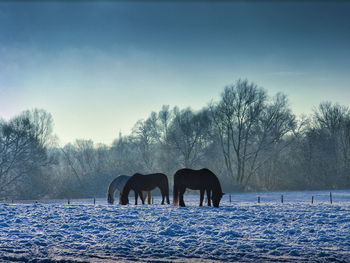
194,187
148,188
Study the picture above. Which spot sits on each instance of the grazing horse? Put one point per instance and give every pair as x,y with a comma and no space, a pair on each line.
203,180
145,182
118,184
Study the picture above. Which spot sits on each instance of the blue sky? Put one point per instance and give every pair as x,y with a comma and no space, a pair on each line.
99,67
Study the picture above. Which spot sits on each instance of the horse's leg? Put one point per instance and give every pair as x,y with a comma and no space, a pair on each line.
181,196
208,196
136,195
167,198
201,197
149,197
163,195
142,198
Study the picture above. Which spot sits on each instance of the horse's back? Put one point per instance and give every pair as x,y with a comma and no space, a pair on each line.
148,181
202,173
195,179
149,177
161,177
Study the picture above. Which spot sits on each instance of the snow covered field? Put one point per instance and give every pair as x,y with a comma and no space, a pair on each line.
242,230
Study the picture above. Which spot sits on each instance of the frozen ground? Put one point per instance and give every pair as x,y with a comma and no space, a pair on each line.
242,230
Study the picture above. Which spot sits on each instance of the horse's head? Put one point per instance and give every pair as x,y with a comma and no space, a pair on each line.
217,198
124,200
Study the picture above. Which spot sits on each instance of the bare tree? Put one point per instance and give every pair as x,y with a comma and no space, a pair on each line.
165,117
189,135
124,156
145,137
23,148
335,119
331,141
42,127
247,125
82,159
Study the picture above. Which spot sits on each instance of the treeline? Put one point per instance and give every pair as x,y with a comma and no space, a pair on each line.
250,140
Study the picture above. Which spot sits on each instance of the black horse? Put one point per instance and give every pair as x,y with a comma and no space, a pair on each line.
203,180
145,182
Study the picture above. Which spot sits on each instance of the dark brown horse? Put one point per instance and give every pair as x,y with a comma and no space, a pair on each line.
145,182
117,185
203,180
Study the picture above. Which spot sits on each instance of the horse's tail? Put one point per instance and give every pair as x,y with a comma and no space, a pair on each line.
175,192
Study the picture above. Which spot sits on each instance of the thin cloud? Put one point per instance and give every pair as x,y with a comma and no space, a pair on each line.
288,73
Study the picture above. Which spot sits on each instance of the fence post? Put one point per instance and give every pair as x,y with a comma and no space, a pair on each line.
68,201
312,199
230,198
259,199
282,199
94,200
330,197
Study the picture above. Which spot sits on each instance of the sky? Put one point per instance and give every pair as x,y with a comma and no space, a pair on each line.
99,67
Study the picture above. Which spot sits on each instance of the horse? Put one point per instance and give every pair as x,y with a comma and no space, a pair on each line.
203,180
118,184
145,182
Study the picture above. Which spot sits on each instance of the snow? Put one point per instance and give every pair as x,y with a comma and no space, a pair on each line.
242,230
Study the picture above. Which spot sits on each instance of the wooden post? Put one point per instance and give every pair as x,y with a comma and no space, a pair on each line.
330,197
230,198
312,199
94,201
259,199
68,201
282,199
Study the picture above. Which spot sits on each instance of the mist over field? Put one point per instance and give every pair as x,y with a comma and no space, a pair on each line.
250,140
